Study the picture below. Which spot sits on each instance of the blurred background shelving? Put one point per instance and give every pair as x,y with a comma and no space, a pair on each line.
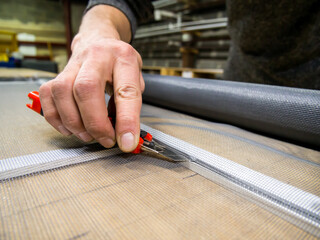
187,38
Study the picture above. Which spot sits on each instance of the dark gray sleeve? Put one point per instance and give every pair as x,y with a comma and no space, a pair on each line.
137,11
274,42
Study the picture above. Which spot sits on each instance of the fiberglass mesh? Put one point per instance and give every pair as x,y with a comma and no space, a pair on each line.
137,196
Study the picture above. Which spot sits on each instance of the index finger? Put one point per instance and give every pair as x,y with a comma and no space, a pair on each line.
128,100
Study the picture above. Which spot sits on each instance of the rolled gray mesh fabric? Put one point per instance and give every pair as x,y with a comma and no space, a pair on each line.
289,113
56,187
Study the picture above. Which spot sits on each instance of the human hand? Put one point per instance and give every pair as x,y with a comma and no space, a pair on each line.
74,102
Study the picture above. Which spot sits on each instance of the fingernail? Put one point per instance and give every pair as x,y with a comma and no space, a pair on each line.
84,136
106,142
127,142
64,131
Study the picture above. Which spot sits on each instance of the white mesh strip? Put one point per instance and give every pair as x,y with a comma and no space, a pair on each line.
299,207
38,162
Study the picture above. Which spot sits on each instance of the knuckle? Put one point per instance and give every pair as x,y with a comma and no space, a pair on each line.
84,88
127,92
96,128
71,122
75,40
51,116
44,89
126,119
125,50
58,88
142,85
139,58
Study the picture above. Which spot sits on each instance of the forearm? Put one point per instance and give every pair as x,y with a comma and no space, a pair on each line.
106,22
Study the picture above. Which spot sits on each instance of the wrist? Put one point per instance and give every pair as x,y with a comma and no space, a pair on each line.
98,34
107,22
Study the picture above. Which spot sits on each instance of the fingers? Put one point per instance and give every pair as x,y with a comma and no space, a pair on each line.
128,100
74,102
88,92
64,101
50,112
59,106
